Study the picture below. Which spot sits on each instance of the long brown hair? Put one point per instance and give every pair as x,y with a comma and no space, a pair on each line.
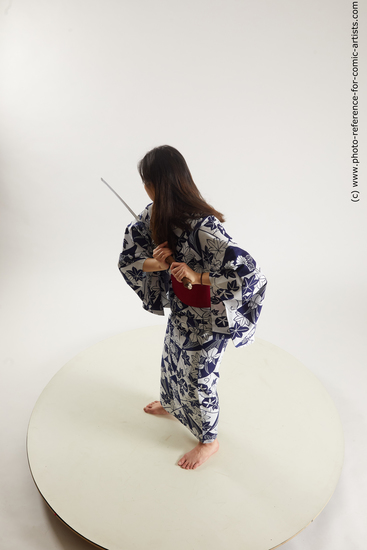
177,200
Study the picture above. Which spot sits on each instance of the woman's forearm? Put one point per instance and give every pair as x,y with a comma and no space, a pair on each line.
180,270
151,264
203,278
206,280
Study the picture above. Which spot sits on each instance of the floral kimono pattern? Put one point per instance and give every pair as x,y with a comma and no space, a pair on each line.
196,337
189,376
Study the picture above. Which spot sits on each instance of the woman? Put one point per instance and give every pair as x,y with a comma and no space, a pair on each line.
186,227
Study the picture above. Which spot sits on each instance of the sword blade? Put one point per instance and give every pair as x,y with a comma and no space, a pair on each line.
118,196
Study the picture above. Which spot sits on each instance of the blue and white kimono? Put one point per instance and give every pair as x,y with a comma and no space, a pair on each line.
196,337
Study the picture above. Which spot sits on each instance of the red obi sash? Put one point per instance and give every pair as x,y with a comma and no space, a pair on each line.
198,296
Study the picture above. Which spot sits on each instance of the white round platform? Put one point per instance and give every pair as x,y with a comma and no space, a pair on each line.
109,470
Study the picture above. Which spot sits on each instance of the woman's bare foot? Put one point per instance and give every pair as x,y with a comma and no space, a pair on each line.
198,455
155,408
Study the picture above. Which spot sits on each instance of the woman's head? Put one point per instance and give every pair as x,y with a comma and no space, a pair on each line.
176,198
164,171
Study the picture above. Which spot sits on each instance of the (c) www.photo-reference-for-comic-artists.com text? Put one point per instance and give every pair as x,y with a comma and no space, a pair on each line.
355,192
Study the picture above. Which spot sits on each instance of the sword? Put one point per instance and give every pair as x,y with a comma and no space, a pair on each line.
123,202
185,281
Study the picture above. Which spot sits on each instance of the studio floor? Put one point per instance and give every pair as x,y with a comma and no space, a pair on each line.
109,471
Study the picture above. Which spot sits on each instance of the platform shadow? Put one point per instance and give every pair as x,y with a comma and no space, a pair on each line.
66,536
115,411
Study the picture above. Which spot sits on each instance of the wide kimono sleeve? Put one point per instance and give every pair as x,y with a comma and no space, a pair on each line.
237,285
152,288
